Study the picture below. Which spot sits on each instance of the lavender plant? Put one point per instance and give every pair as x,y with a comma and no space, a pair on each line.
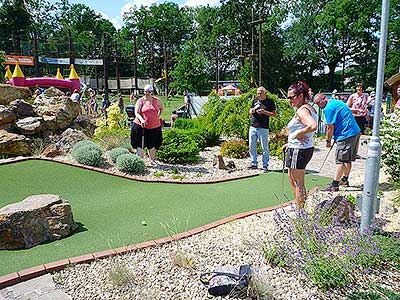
325,245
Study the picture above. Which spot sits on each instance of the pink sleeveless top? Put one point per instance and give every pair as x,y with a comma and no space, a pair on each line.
149,113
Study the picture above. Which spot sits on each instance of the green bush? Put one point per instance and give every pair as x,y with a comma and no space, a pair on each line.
114,153
178,147
82,144
89,154
231,117
235,149
328,273
205,136
113,138
390,133
275,145
130,163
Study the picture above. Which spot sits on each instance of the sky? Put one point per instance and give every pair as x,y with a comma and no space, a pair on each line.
113,9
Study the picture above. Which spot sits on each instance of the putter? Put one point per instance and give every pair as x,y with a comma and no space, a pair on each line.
326,157
143,139
283,171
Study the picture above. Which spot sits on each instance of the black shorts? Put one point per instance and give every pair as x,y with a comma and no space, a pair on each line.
346,150
298,158
152,137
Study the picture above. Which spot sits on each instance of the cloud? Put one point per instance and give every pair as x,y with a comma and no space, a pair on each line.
136,4
115,21
193,3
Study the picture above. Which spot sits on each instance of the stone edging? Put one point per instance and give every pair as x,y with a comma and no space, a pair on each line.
120,174
30,273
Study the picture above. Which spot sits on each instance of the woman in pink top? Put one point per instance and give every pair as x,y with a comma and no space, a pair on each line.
358,103
146,129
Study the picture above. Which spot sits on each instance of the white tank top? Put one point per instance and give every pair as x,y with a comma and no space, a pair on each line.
294,126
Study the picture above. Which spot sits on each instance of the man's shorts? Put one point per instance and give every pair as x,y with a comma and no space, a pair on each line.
298,158
346,150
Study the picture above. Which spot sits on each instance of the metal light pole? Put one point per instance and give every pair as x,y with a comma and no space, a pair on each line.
369,201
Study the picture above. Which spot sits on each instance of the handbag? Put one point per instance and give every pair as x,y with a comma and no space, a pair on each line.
227,281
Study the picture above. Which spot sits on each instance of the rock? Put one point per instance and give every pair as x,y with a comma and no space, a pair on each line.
340,207
10,93
51,151
85,123
69,138
219,162
34,220
22,108
7,115
57,112
52,92
30,125
12,144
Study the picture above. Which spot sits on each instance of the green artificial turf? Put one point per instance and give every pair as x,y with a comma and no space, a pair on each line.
111,209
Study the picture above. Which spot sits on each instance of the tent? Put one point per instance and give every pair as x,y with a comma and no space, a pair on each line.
229,88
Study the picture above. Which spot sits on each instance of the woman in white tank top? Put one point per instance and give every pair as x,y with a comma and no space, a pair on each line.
300,147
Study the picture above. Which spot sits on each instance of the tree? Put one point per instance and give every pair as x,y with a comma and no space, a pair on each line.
329,31
189,72
15,22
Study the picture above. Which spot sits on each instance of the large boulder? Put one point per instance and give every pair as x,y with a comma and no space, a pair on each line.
57,112
52,92
85,123
22,108
7,115
35,220
10,93
69,138
30,125
12,144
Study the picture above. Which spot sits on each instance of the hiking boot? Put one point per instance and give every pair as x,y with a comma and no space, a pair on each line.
330,188
251,167
344,183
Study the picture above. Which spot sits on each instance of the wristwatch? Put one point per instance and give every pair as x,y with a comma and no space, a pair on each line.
328,141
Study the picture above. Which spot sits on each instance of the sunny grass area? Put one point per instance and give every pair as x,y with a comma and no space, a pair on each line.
110,210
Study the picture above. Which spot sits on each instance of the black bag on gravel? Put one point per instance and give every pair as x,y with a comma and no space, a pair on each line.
227,281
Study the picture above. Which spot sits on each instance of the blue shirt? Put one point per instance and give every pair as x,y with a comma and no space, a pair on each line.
337,113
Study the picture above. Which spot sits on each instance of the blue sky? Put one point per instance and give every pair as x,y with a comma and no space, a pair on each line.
113,9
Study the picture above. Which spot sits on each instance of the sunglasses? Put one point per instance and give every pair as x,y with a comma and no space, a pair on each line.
291,97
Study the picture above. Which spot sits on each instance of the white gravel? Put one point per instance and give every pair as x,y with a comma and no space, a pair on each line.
172,271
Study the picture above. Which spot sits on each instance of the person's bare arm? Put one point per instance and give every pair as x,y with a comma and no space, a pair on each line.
308,121
330,128
138,108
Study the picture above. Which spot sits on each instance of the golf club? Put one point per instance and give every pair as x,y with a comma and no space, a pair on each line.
143,139
283,170
326,157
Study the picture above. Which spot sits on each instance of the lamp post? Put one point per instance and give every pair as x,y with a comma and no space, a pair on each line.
369,201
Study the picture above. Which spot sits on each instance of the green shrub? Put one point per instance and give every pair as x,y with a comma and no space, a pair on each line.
178,147
374,292
186,123
205,136
328,273
89,154
231,117
390,133
275,145
235,149
82,144
114,153
130,163
113,138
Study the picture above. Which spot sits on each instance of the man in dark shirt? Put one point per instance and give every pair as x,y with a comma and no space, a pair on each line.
261,109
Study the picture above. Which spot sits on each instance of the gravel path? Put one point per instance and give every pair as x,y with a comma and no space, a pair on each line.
172,271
